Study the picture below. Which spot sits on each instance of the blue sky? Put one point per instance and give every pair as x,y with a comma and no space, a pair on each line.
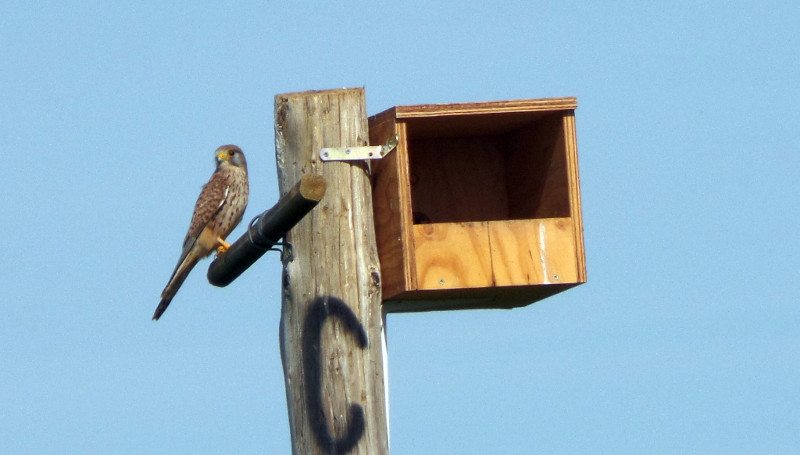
684,340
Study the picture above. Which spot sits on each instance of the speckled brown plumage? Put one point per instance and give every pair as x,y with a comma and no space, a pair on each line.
218,210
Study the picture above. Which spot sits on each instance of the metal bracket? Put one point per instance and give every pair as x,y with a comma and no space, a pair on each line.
369,152
287,253
269,245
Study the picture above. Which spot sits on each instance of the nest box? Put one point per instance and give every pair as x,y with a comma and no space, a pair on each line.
479,206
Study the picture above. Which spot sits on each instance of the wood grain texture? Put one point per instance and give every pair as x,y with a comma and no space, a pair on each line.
458,180
495,253
539,251
452,255
506,297
489,107
392,205
334,257
537,169
575,193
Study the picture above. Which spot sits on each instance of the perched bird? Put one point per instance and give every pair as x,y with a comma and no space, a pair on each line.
218,210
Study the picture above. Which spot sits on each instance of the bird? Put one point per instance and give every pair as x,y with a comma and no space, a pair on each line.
218,210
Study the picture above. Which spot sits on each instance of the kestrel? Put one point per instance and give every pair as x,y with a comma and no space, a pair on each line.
218,210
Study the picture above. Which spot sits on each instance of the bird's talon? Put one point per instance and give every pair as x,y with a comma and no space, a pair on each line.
223,246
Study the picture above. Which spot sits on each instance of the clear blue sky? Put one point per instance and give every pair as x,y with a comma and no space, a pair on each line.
686,339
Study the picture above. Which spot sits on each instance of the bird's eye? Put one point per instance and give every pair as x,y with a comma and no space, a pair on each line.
230,152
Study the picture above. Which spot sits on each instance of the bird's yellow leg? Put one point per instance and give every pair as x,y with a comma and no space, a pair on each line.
223,245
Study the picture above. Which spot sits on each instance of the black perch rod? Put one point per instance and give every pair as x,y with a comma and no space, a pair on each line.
266,230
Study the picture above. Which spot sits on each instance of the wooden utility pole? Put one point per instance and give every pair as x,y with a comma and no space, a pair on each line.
331,318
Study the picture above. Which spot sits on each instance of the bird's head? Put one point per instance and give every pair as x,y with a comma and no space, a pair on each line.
230,155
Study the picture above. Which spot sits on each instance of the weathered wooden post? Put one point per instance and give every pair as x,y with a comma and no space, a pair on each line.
331,318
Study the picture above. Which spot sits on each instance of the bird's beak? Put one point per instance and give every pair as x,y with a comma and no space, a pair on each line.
221,157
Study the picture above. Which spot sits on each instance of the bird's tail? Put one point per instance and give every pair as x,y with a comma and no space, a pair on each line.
162,306
175,282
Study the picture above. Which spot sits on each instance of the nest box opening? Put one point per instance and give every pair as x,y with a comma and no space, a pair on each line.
509,166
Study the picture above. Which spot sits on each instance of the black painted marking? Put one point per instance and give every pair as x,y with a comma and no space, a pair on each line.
318,312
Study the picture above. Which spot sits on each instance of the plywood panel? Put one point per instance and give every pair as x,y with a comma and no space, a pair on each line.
477,119
457,180
489,107
473,298
571,144
392,205
538,251
452,255
537,170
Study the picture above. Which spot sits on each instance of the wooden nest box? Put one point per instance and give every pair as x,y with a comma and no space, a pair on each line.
479,206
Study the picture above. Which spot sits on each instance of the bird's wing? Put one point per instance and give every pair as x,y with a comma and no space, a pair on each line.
211,200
